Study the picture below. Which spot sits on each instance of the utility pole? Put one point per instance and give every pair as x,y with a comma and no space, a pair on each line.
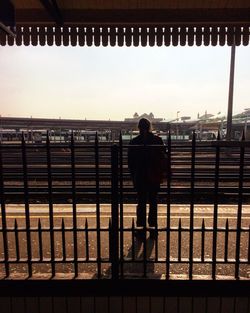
230,95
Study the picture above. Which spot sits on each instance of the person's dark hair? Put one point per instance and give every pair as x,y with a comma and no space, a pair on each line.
144,125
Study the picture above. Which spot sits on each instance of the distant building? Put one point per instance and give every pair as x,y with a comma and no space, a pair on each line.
136,117
243,115
205,117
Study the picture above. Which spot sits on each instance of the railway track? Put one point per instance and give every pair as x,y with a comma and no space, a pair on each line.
35,169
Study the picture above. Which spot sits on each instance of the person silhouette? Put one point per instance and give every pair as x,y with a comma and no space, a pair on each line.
146,154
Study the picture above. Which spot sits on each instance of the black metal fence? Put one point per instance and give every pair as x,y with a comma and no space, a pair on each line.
203,243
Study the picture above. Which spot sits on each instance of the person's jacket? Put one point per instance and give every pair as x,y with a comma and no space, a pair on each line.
146,155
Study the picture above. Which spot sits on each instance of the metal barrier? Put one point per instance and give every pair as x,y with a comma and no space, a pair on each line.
110,249
107,296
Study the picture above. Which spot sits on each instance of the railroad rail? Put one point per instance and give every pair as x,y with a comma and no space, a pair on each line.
94,159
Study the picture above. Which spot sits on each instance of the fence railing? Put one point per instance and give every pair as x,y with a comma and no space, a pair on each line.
201,241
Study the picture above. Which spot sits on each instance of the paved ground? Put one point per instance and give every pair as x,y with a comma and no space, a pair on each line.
155,250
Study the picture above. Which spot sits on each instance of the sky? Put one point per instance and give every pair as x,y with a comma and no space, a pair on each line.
102,83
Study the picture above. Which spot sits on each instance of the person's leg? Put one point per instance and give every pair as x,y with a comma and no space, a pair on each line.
141,208
152,216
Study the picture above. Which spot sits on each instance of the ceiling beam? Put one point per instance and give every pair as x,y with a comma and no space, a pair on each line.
138,16
53,10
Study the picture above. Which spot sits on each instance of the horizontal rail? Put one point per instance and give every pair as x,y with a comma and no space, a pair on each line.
138,287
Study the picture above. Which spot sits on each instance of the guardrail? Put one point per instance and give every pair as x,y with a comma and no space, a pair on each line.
112,250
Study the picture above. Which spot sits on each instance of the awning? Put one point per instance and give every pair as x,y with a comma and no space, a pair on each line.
127,35
127,23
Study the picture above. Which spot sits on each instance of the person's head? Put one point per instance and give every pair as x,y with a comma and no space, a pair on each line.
144,125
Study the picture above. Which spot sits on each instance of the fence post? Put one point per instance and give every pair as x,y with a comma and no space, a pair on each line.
240,203
121,202
51,209
191,226
3,216
114,247
26,202
98,216
215,217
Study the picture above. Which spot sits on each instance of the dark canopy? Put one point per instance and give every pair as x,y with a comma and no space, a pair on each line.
126,22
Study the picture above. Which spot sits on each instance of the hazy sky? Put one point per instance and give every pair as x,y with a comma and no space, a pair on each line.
114,83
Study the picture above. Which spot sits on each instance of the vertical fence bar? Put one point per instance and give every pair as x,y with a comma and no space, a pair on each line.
27,209
156,243
40,240
144,250
63,241
17,241
115,214
226,242
215,220
98,222
179,240
240,201
169,176
191,226
203,230
110,239
133,239
3,213
87,240
121,203
73,180
51,211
